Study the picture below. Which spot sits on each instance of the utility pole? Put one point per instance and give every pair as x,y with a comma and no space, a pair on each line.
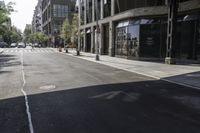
172,6
97,33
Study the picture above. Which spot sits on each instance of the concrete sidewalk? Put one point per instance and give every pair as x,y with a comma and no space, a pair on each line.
180,74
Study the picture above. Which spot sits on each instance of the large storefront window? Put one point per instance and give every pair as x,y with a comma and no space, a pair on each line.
146,38
97,10
128,37
187,46
89,11
121,41
107,8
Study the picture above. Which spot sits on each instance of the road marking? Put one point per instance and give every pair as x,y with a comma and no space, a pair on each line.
48,87
25,95
28,51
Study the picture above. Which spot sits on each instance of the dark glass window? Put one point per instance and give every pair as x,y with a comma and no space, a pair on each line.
60,10
107,8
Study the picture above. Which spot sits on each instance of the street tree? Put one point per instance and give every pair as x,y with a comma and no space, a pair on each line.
65,33
5,22
16,35
74,31
42,38
26,35
38,37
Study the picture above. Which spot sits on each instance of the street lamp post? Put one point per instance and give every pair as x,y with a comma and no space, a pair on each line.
97,33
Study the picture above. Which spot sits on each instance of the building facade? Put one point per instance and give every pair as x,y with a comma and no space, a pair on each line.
28,27
53,14
137,29
2,3
37,18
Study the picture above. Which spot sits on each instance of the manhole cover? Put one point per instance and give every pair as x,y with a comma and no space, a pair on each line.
48,87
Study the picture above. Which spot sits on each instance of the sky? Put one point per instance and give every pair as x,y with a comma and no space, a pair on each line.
24,12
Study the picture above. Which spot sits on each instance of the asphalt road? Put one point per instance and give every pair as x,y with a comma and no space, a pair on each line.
70,95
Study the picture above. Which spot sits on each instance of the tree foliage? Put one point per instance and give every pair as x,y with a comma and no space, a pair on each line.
75,25
13,35
65,33
69,30
26,35
38,37
7,33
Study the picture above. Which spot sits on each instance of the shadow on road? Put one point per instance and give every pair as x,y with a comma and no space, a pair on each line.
191,79
137,107
9,61
13,117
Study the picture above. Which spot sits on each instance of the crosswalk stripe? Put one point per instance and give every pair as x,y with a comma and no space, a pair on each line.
28,50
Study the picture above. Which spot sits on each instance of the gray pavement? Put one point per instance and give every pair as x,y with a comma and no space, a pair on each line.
187,75
71,95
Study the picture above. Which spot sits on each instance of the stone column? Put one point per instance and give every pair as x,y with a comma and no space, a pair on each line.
79,12
85,12
112,7
102,9
101,39
92,40
93,10
84,40
79,41
111,38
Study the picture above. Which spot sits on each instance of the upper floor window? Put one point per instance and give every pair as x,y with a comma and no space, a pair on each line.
60,10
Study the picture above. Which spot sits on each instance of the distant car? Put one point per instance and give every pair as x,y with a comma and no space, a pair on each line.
36,45
30,44
21,45
3,45
13,45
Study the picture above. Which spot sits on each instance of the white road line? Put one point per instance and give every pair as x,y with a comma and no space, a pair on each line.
25,95
28,51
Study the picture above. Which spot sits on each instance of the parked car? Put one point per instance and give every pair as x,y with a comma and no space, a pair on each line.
36,45
29,44
3,45
21,45
13,45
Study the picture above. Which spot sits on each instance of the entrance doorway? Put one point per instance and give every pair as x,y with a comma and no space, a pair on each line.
105,39
88,41
187,43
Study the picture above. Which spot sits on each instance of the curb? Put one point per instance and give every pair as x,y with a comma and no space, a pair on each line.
1,51
147,75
